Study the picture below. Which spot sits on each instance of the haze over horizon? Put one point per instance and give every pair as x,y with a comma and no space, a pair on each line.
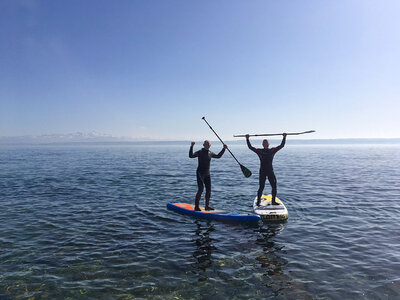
151,70
95,137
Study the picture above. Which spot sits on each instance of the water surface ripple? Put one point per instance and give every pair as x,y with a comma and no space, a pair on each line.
90,222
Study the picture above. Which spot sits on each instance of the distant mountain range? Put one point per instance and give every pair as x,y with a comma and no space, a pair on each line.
66,138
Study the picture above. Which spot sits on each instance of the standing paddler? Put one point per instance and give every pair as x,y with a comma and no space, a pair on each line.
266,155
203,171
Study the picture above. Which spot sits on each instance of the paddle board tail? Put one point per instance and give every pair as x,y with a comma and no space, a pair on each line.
269,212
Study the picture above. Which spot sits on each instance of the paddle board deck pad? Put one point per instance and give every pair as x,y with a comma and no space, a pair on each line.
270,212
188,209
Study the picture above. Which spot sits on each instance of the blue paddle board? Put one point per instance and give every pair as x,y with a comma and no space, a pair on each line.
220,215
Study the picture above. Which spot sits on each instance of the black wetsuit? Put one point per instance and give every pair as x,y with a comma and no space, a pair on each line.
203,171
266,157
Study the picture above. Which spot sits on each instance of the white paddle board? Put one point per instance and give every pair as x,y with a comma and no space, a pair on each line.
270,212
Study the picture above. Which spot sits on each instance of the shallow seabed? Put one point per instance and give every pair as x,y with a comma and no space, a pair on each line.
90,222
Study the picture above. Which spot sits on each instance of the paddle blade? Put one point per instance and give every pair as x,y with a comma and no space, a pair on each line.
310,131
246,172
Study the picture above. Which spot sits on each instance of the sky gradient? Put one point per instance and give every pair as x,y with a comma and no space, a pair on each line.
152,69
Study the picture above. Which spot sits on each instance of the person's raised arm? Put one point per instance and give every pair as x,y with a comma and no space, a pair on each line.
191,155
248,143
220,153
282,143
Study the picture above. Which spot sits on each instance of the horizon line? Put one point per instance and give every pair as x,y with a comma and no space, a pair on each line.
10,141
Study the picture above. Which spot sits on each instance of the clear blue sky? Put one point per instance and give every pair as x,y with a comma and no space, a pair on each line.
154,68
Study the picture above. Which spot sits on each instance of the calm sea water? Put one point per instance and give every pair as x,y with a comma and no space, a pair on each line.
90,222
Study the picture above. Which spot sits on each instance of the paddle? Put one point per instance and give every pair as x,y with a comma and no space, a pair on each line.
271,134
246,172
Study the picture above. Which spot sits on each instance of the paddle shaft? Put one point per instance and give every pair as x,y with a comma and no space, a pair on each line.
272,134
220,139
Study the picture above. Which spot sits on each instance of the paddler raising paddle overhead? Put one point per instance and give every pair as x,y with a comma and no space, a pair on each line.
203,171
266,155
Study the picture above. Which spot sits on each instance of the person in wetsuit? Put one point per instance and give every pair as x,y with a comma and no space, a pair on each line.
266,155
203,171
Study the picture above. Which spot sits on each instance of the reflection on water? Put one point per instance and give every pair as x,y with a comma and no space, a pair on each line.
204,247
267,266
91,223
270,258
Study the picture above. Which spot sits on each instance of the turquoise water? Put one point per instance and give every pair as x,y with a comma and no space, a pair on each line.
90,222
